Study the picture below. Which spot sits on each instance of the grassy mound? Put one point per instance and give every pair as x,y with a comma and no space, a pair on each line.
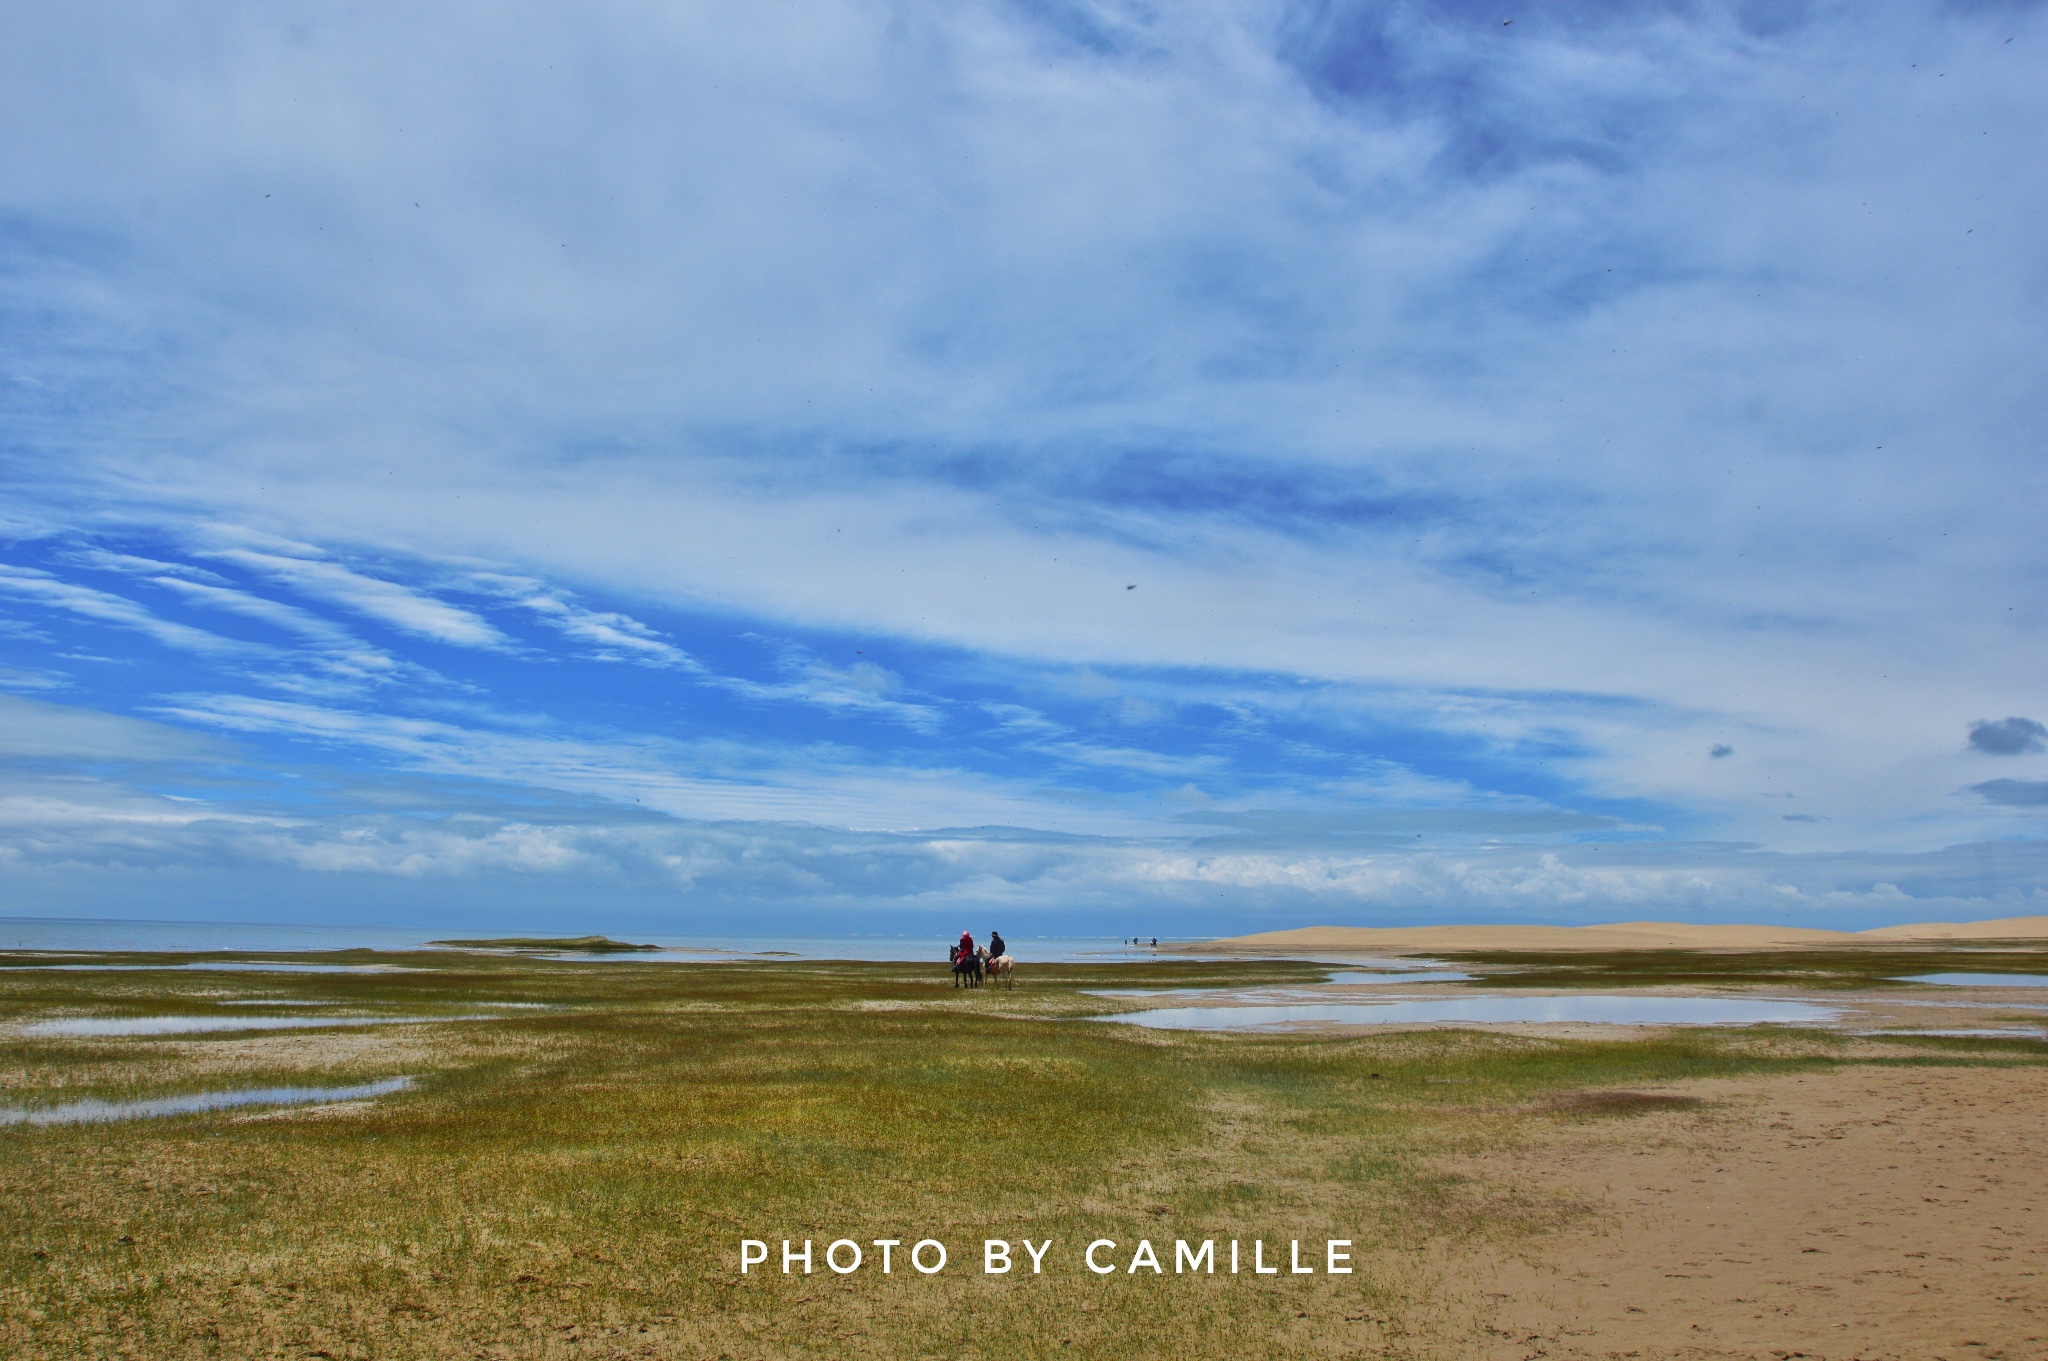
582,945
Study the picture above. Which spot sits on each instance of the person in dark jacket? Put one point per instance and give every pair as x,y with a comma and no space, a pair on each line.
996,948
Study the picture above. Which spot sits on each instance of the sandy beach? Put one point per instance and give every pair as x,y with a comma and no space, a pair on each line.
1869,1213
1617,936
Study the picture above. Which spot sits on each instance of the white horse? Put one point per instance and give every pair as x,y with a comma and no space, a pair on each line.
1002,967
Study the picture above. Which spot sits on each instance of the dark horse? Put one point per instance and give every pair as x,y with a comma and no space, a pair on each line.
966,967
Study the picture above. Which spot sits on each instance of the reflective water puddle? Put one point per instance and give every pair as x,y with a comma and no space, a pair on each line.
2009,1033
1403,976
102,1112
223,966
1981,980
337,1002
1597,1009
92,1026
1263,996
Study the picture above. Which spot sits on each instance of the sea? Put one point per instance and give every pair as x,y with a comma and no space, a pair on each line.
60,934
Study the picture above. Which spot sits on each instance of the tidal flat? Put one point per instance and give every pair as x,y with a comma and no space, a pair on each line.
582,1147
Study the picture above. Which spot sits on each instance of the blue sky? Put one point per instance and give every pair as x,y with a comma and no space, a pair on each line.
1111,466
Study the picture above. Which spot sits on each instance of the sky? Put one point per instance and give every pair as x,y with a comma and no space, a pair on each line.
1087,467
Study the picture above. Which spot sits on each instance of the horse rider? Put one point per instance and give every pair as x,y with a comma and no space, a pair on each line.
966,945
996,948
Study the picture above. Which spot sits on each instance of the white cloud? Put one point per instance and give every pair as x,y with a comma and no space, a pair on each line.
89,827
344,662
119,611
31,728
388,602
860,687
130,564
710,780
272,612
612,636
17,678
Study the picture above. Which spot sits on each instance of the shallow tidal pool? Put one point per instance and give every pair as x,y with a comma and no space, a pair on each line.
95,1112
1981,980
1597,1009
96,1027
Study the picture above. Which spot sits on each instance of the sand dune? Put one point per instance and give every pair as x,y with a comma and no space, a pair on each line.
1624,936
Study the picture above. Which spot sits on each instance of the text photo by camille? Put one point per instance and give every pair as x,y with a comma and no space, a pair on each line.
928,1256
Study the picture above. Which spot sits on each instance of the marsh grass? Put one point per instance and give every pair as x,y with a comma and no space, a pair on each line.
574,1180
1831,970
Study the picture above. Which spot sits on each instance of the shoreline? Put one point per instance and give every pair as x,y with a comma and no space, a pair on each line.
1611,936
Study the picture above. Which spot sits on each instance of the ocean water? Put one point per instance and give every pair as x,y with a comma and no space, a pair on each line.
53,934
47,933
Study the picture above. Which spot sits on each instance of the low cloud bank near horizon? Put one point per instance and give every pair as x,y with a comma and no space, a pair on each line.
88,819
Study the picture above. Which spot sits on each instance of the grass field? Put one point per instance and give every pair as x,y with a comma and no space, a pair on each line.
572,1177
